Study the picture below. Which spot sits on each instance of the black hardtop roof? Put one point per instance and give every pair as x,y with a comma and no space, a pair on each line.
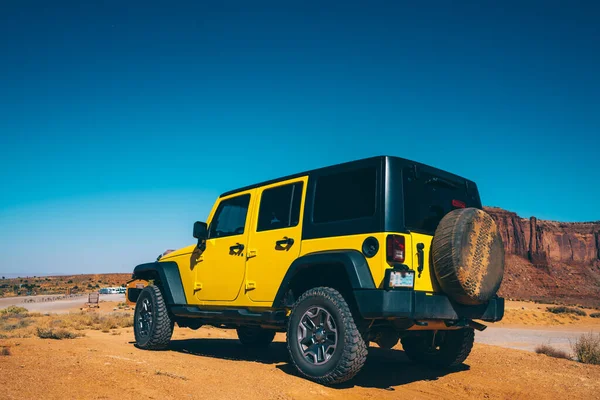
404,161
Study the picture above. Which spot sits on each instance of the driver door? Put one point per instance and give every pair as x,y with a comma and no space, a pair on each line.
221,267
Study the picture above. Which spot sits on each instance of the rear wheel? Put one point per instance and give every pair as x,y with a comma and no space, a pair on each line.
255,336
439,349
153,326
323,340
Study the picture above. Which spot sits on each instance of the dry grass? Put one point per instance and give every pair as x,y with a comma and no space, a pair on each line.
16,322
49,333
552,352
587,348
12,311
566,310
94,321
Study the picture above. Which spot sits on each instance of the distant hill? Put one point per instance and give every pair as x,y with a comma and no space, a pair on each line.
59,284
549,260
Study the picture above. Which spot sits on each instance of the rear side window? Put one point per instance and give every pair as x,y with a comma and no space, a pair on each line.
345,196
428,198
230,217
280,207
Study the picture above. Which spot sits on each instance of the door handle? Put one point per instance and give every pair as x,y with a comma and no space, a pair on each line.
236,248
286,241
420,257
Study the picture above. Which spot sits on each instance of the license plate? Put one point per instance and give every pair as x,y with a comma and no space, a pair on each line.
402,279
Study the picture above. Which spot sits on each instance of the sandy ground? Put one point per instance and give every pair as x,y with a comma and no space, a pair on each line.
57,306
211,364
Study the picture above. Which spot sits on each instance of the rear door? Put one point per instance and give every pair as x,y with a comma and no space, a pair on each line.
428,197
275,237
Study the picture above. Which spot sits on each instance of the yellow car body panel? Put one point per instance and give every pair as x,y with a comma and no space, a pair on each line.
267,262
425,280
377,263
220,271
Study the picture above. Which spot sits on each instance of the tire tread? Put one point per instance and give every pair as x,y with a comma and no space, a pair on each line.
355,350
163,325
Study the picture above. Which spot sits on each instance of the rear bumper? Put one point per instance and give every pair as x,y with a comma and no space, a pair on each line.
377,304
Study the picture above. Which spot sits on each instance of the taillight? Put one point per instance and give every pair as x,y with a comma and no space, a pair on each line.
395,248
458,204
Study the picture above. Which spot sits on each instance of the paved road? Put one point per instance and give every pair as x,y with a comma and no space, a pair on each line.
528,339
57,306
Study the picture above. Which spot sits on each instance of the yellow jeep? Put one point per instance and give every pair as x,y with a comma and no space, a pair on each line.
375,250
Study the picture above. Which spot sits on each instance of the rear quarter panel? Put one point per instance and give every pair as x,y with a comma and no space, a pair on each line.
378,263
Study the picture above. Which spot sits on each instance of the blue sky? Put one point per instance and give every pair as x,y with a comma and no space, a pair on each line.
120,124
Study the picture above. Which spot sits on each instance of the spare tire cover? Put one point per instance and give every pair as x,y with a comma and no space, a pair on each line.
468,256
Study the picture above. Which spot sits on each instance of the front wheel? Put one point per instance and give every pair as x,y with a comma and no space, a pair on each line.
153,326
439,349
322,338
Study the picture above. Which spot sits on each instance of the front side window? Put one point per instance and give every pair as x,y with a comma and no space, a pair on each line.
280,207
345,196
230,217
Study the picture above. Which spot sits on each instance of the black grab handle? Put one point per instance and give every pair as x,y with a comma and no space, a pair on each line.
286,241
236,247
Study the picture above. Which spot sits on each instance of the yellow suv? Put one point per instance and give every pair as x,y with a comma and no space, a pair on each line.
375,250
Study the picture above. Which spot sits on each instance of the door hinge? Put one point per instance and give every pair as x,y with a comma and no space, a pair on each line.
250,285
197,286
251,253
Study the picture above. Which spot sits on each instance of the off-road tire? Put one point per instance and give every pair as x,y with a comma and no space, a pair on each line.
161,328
468,256
351,351
452,351
255,336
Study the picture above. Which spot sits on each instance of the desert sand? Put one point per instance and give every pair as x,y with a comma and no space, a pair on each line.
211,364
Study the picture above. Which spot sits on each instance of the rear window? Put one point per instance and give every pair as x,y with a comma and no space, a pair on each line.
429,197
345,196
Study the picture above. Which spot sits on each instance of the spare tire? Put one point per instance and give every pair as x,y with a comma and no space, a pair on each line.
468,256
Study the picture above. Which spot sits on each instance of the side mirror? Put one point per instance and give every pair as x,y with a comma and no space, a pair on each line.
200,230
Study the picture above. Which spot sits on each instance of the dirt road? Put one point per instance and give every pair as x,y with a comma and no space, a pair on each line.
57,306
211,364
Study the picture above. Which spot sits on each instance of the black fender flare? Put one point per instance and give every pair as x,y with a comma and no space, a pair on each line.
354,262
168,274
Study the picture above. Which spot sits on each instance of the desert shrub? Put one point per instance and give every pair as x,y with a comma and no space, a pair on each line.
5,351
552,352
587,348
566,310
13,311
19,324
95,321
49,333
595,315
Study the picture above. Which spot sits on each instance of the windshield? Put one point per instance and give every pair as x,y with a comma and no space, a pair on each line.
427,198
